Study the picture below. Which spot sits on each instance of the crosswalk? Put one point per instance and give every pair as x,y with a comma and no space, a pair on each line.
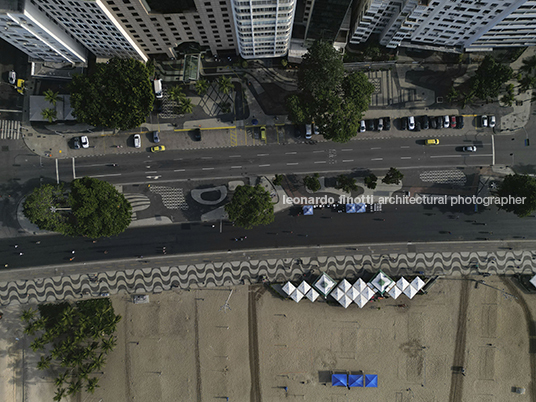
9,129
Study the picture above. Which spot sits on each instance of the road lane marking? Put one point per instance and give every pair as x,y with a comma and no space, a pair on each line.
493,149
404,146
405,157
263,154
347,160
347,149
151,171
315,152
377,159
180,170
235,156
208,168
264,165
236,167
290,153
292,163
376,148
320,162
206,157
446,156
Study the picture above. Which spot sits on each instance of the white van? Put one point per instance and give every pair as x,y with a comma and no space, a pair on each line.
158,89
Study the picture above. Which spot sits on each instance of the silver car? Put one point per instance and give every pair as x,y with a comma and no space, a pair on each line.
484,121
492,121
470,148
446,122
137,141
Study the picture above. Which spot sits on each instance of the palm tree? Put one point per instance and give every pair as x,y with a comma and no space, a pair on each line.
74,386
529,64
49,114
186,106
526,83
37,344
44,363
60,393
109,344
28,314
201,86
51,96
176,94
61,379
92,385
225,85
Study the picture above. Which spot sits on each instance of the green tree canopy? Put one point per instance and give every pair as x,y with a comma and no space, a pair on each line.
225,85
201,86
517,185
117,95
328,97
99,209
176,93
186,106
489,78
312,183
393,176
74,334
371,181
51,96
93,208
49,114
346,183
251,206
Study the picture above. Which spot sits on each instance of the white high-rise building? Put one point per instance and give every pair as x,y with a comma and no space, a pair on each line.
263,27
447,25
29,30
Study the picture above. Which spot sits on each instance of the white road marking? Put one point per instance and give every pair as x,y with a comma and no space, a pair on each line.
346,149
376,148
236,167
151,171
405,157
208,168
293,163
263,154
405,146
315,152
347,160
290,153
180,170
377,159
264,165
235,156
206,157
320,162
446,156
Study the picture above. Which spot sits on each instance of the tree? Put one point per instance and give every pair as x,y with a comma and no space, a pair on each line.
28,314
312,183
521,186
118,94
250,206
44,205
225,107
278,180
201,86
44,363
49,114
98,208
371,181
51,96
284,62
92,385
393,176
346,183
329,98
509,97
176,94
489,78
186,106
453,94
529,64
225,85
60,393
526,83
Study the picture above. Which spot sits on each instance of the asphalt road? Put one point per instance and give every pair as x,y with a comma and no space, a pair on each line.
409,223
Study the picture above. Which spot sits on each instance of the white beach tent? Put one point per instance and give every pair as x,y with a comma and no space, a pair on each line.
394,292
288,288
361,301
324,284
402,284
352,293
296,296
344,285
382,282
410,291
417,283
337,294
359,285
312,295
304,287
345,301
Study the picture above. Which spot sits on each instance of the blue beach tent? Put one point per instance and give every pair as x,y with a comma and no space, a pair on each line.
355,380
339,380
371,380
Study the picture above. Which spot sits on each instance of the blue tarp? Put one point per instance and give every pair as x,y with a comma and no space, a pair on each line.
355,380
371,380
339,380
307,209
361,208
351,208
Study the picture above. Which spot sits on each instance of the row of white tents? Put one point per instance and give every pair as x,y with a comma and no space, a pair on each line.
359,293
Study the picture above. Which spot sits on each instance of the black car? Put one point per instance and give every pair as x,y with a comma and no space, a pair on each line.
370,125
386,123
433,122
197,134
459,120
156,137
425,123
417,126
403,123
439,121
297,131
76,143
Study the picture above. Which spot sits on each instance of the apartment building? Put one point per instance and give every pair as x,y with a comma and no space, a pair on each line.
29,30
263,27
446,25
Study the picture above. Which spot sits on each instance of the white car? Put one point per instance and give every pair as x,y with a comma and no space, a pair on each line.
484,121
380,124
316,130
446,122
85,141
470,148
492,121
12,77
137,141
362,126
411,122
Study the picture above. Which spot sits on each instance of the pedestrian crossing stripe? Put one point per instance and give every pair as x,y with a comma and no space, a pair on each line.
10,129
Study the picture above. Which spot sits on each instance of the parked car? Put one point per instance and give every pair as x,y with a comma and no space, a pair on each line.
470,148
137,141
417,126
362,126
197,134
315,129
158,148
403,123
386,123
370,125
433,122
432,141
460,122
156,137
263,133
76,143
85,141
452,121
484,121
425,123
492,121
439,121
446,122
297,131
12,77
411,122
379,125
308,131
